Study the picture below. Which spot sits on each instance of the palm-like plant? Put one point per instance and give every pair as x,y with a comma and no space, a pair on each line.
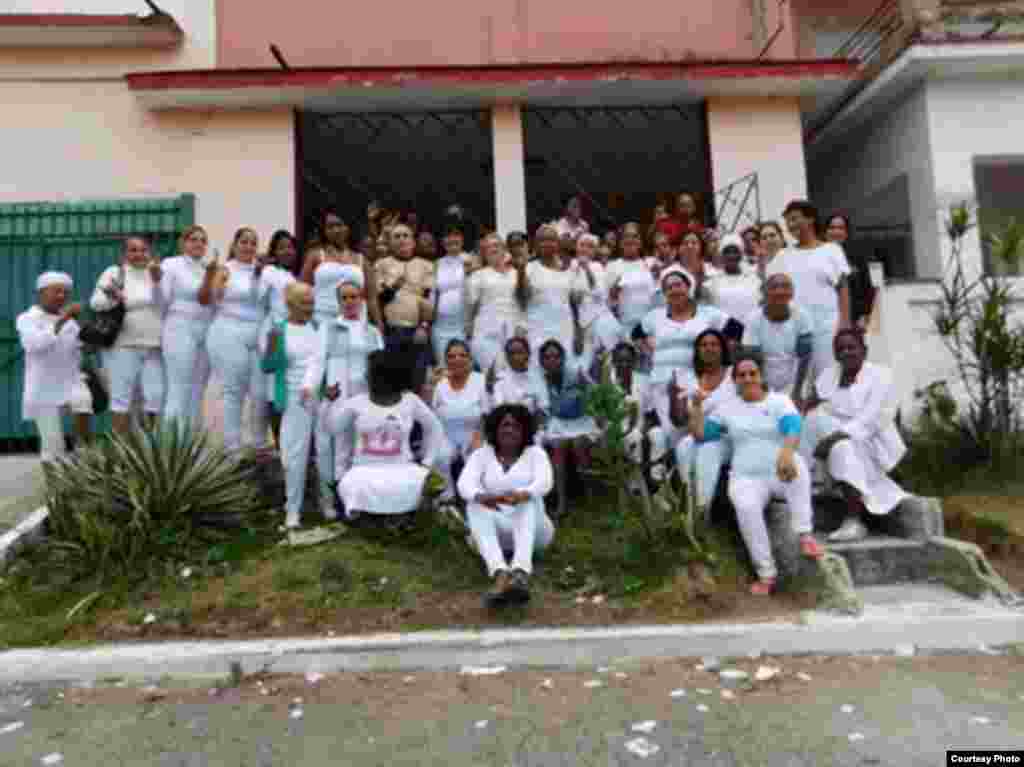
132,498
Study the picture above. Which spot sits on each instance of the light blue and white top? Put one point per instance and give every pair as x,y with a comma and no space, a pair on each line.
782,344
674,341
182,279
461,412
757,431
816,273
327,276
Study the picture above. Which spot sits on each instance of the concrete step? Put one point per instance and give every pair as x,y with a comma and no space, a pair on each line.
883,560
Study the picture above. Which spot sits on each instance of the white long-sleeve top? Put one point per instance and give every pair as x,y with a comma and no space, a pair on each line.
52,361
347,345
483,473
183,276
273,282
143,303
303,348
375,435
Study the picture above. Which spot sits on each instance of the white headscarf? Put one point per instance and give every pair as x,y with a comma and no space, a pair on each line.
46,279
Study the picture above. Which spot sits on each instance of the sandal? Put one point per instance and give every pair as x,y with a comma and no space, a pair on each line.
810,547
762,587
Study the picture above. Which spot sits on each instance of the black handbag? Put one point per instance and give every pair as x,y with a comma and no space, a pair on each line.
97,389
103,328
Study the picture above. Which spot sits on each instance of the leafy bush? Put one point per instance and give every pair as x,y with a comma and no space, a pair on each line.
129,502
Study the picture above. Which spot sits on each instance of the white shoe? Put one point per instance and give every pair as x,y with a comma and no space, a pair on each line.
291,520
852,529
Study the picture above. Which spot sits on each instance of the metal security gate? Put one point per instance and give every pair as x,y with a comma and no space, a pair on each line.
419,161
82,239
619,160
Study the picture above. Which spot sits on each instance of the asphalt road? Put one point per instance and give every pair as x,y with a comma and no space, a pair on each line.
813,711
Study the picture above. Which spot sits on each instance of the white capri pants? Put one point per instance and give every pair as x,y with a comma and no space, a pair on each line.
525,529
50,421
750,496
129,367
235,355
187,367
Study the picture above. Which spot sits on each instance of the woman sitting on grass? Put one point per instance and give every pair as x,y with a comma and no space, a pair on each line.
374,460
504,484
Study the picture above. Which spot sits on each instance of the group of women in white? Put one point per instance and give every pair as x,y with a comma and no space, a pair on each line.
715,349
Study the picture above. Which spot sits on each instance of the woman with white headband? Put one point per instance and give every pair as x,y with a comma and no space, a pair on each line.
347,342
135,359
48,333
293,357
233,338
186,324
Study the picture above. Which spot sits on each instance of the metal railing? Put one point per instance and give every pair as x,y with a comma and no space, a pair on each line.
738,204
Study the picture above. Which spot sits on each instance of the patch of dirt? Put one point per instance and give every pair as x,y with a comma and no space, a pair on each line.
407,696
966,518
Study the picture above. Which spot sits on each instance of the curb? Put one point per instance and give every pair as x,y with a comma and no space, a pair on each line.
929,627
28,530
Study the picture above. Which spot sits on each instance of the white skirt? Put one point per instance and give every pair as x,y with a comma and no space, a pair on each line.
558,429
389,489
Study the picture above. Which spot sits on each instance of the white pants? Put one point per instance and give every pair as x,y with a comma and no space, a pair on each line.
296,433
187,366
525,529
51,434
823,355
660,398
235,355
701,463
325,462
750,495
130,367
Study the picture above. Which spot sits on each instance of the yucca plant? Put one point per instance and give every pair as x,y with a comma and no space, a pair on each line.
129,499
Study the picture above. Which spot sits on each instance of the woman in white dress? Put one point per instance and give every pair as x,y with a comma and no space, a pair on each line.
281,262
601,330
783,334
568,430
233,339
504,484
453,268
734,291
700,463
670,335
850,428
292,357
460,401
347,342
546,293
764,430
185,328
135,360
631,286
378,474
820,273
330,262
494,314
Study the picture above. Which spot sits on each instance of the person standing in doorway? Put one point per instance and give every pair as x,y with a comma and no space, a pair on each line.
862,292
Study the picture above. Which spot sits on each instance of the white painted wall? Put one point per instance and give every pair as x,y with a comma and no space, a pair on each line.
509,168
92,140
763,136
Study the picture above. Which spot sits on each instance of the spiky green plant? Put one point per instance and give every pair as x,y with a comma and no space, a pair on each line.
131,499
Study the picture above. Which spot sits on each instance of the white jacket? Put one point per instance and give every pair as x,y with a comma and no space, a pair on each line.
53,361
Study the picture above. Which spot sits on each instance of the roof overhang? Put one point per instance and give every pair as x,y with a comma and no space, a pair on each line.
922,61
436,88
84,30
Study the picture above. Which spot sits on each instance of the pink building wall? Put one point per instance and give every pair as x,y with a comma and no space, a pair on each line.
469,33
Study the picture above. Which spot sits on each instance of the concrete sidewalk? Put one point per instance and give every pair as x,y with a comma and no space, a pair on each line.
896,619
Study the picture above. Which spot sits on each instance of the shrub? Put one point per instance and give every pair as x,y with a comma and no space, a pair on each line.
130,501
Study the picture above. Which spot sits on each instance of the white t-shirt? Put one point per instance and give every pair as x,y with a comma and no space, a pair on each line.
755,431
380,435
674,341
143,303
816,274
781,344
638,289
548,314
735,294
461,412
450,289
494,293
182,279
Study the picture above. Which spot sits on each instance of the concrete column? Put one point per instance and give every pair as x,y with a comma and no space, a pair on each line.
509,168
763,136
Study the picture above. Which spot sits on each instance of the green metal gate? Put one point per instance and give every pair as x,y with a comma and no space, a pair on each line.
80,238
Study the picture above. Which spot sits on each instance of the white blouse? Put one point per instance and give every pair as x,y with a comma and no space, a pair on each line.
450,291
461,412
52,361
494,293
816,273
182,279
143,303
242,299
484,474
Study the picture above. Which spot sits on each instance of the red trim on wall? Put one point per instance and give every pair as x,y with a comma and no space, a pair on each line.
489,75
71,20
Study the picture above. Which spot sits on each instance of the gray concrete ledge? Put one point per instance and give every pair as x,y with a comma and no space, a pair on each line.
929,618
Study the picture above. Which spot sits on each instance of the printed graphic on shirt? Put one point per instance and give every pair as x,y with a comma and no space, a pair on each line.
385,441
